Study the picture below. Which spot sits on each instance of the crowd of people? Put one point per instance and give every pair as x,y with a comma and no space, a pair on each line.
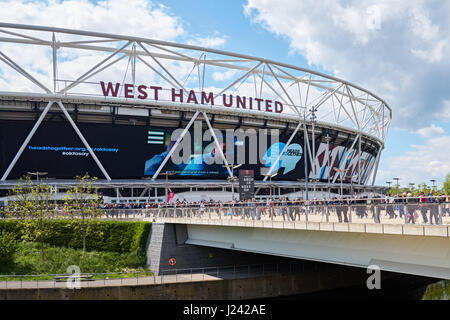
431,207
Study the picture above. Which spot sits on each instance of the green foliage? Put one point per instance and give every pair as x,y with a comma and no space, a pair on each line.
396,190
438,291
12,226
421,187
446,187
27,261
34,205
113,236
8,247
82,203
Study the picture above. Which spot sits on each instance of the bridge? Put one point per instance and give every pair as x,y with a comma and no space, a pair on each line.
315,234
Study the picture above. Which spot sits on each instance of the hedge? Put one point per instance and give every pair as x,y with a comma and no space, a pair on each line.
113,236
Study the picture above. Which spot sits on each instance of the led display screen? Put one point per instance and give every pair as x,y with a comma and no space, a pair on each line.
127,151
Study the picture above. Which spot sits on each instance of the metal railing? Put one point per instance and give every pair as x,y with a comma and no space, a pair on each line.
143,278
409,211
392,213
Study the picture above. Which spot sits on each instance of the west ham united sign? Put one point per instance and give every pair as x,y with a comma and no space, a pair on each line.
177,95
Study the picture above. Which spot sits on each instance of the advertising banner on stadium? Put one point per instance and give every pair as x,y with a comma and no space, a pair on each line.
128,151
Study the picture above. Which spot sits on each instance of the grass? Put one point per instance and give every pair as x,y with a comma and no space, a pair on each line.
27,261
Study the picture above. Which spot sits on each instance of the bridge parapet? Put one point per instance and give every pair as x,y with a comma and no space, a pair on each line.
397,229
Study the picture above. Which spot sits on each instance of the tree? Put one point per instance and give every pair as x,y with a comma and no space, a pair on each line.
396,190
422,187
82,204
446,186
34,205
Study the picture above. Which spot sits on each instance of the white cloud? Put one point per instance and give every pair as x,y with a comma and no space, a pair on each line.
140,18
223,75
208,42
432,131
433,54
424,162
444,114
397,49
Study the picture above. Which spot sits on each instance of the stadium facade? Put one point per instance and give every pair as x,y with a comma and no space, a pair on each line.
145,115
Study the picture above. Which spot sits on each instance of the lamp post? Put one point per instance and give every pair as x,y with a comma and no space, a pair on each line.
167,174
314,186
313,141
270,181
232,178
433,181
37,174
341,171
305,150
328,139
397,181
389,184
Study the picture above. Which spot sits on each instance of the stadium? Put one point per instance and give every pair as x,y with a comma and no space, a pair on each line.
148,117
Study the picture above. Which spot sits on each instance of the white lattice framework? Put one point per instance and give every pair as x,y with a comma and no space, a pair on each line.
62,64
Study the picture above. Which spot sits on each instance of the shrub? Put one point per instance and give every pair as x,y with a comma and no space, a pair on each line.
112,236
27,260
8,247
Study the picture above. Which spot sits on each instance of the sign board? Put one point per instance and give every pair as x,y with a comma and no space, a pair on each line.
246,184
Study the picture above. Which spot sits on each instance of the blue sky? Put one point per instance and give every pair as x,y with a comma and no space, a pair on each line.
400,50
227,19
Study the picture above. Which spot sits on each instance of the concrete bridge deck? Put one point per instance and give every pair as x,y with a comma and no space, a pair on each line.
315,223
417,249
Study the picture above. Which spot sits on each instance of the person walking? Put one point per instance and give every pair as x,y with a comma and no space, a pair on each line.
251,208
297,204
423,206
339,208
375,209
390,206
410,208
370,206
434,208
402,205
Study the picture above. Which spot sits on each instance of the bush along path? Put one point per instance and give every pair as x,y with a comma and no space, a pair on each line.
111,246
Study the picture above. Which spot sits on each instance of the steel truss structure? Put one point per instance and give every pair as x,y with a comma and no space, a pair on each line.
311,99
